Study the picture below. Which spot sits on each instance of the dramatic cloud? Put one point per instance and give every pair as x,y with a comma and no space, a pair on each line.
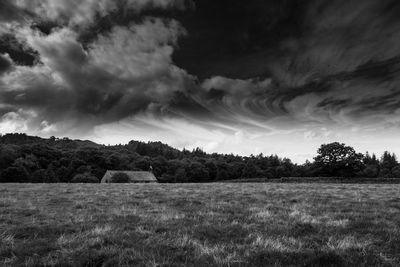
224,75
127,71
340,67
5,63
76,12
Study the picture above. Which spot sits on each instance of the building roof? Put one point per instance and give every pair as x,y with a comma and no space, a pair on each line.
134,176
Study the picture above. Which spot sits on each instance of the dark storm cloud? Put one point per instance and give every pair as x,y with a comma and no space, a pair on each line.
124,70
229,38
246,64
327,60
5,64
10,12
18,51
232,38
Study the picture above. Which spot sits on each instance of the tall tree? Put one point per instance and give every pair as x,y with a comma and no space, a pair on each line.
337,159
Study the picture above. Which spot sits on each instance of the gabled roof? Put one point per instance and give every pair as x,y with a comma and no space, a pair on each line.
134,176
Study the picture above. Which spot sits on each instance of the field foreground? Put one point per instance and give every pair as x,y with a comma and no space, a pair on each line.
199,224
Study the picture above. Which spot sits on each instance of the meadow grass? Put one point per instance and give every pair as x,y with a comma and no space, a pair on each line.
199,224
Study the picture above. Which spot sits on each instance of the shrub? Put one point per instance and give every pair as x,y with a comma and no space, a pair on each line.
38,176
14,175
120,177
222,175
180,175
370,171
396,172
84,178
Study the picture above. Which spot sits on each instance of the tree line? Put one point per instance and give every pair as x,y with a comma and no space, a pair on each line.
26,158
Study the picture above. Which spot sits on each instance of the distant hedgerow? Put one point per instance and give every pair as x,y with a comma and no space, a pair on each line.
84,178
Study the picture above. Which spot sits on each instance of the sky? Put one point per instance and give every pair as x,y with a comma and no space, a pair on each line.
230,76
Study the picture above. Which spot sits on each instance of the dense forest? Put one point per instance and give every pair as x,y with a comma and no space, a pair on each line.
26,158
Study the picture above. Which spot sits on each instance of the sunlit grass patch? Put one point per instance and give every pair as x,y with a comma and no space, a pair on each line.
171,215
261,214
6,238
221,254
347,242
304,217
301,215
102,230
337,222
281,243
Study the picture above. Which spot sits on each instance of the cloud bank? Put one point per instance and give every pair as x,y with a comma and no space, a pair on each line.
123,72
260,72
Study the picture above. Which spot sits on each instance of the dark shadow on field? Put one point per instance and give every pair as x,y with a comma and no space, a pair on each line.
24,232
216,234
306,259
300,229
313,259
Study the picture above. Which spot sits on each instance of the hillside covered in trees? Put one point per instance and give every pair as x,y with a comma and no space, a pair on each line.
26,158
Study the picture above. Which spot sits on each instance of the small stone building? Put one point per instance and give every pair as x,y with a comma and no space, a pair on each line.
134,176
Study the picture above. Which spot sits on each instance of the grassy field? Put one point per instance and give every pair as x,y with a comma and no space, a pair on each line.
199,224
